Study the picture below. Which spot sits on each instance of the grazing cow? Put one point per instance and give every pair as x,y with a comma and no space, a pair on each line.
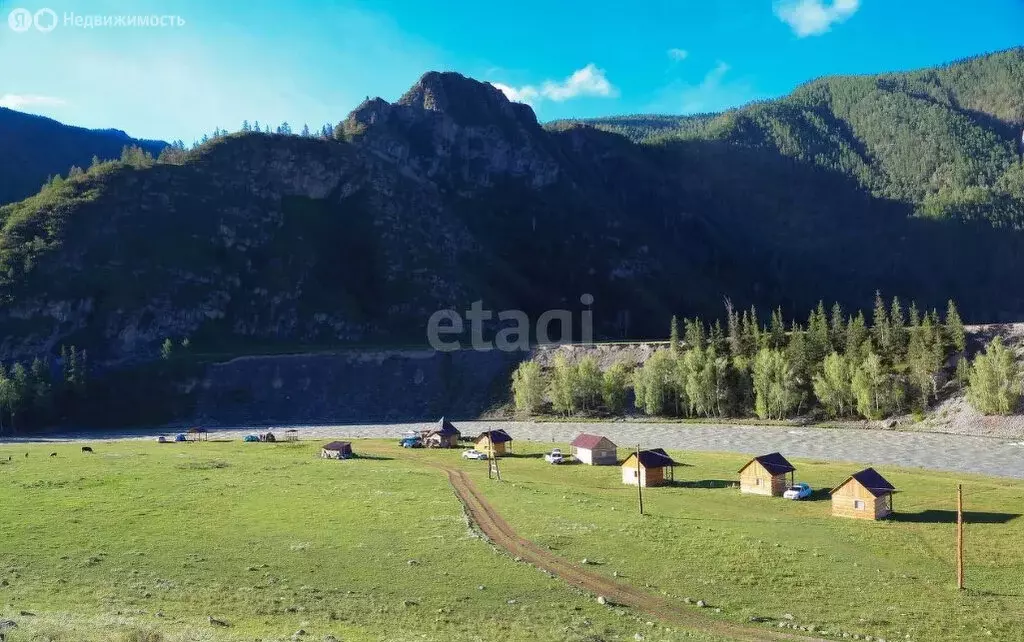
53,454
26,455
86,449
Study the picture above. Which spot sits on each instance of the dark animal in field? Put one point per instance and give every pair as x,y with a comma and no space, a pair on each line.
216,622
86,449
26,454
53,454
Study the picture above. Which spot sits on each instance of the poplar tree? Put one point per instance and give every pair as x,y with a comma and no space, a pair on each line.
528,388
673,336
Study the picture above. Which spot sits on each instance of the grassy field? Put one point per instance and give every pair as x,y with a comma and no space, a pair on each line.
142,542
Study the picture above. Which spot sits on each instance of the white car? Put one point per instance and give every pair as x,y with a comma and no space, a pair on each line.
798,491
555,457
473,454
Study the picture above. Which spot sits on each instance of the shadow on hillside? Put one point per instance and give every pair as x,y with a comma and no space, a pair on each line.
819,495
949,517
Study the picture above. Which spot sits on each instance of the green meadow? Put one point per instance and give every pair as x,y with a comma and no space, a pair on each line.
143,542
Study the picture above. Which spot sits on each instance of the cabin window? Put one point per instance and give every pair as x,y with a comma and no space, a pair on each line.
757,482
858,504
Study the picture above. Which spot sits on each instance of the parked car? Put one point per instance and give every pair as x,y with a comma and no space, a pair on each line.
555,457
798,491
473,454
411,442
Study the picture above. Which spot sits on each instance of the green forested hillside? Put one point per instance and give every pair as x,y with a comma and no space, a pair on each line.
910,183
945,140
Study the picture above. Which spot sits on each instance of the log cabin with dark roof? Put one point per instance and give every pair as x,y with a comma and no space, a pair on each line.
864,495
498,440
769,474
443,435
655,468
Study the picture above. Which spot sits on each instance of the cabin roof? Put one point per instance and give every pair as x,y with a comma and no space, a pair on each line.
774,463
872,481
444,427
339,446
589,442
653,458
496,436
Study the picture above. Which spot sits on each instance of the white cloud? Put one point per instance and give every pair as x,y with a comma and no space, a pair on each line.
15,101
707,95
588,81
678,54
814,17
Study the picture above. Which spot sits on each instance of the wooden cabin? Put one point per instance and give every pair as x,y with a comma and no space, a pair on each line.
443,435
656,468
864,495
768,474
493,438
595,450
337,450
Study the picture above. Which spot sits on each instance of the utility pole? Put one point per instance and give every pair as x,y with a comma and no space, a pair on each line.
492,460
960,537
639,481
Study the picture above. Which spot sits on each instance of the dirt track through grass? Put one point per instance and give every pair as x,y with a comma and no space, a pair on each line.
501,534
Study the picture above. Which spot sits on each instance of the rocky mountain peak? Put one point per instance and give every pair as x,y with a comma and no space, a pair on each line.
464,100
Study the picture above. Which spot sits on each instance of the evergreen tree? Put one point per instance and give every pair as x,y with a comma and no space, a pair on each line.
694,334
305,131
955,328
734,331
837,328
819,343
245,126
880,329
777,331
21,391
858,343
717,339
898,331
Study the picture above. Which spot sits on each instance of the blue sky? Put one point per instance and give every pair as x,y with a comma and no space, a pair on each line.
312,61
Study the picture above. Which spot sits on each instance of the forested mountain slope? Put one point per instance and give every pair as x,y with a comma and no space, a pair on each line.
33,148
453,194
945,140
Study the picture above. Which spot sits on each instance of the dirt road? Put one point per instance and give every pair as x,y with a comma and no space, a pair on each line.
690,617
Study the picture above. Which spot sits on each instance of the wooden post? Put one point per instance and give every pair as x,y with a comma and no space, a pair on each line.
639,481
960,537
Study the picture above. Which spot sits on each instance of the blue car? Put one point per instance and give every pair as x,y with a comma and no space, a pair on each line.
411,442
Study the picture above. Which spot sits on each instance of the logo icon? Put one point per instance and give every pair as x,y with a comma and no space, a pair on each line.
46,20
20,20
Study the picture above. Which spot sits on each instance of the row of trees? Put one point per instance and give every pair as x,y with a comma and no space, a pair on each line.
836,365
42,393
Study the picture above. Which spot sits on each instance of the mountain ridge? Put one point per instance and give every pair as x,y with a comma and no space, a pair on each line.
454,194
36,147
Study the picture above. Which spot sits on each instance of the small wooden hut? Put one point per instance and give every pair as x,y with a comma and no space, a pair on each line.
198,434
769,474
864,495
654,464
443,435
496,439
291,435
594,450
337,450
